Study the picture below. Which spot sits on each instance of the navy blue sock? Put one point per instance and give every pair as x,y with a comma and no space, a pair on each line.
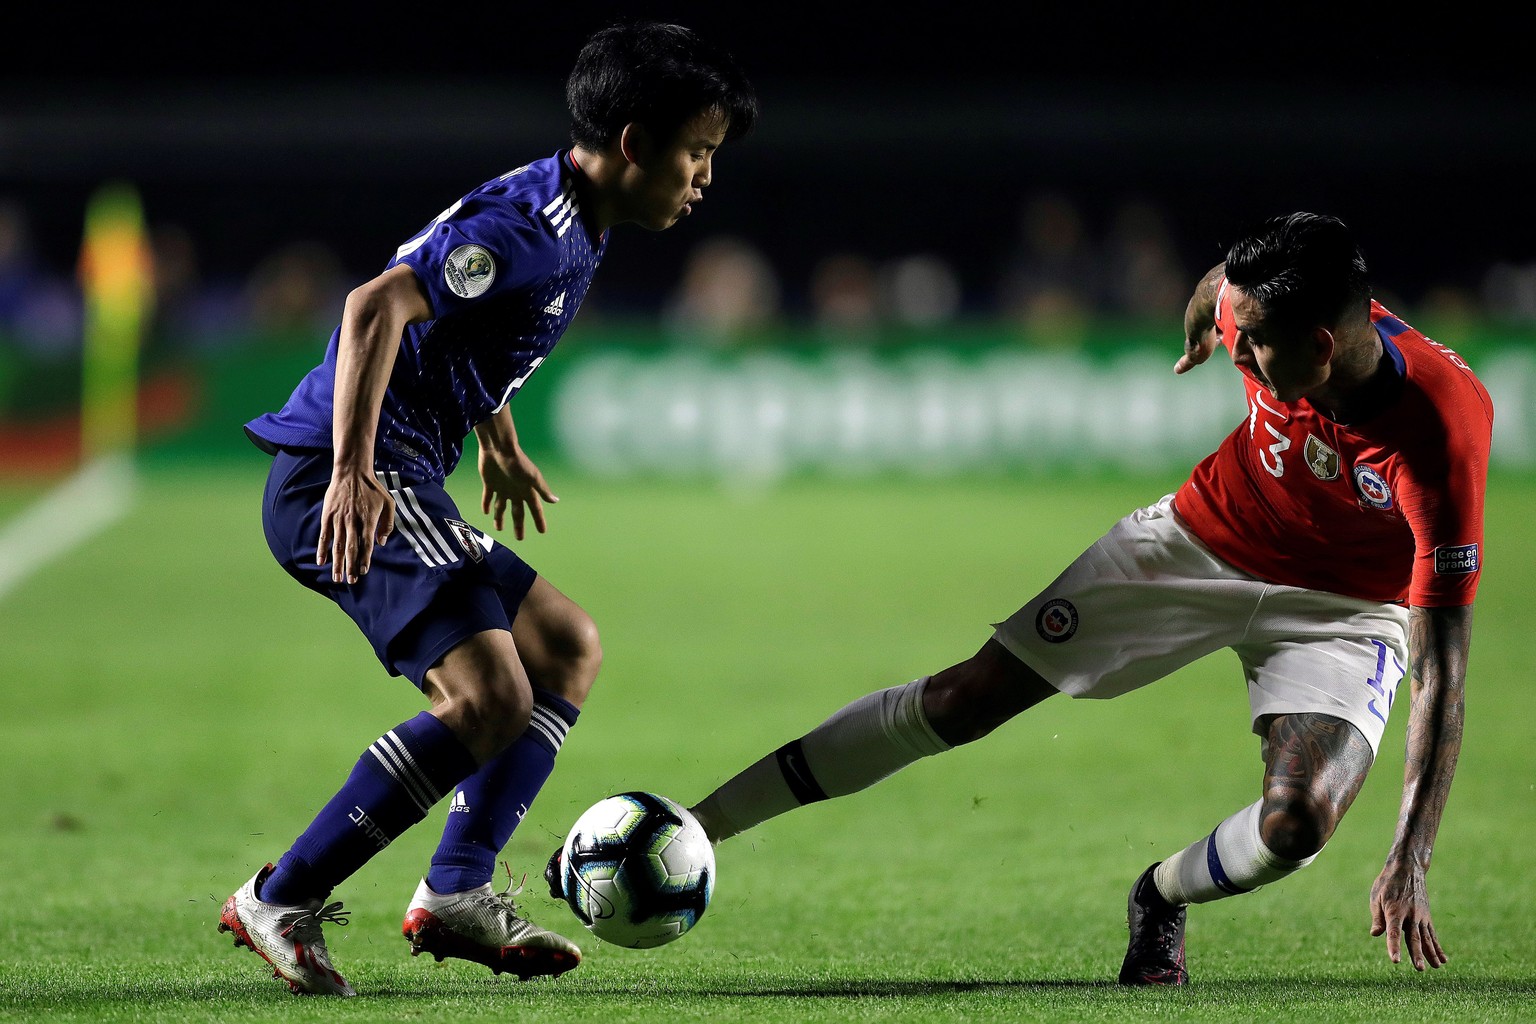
392,787
489,804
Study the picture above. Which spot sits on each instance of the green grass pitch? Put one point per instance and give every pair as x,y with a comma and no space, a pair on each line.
175,709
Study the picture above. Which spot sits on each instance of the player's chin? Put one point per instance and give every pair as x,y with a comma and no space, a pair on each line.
661,223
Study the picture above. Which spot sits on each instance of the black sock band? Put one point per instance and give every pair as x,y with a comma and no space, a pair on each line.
797,773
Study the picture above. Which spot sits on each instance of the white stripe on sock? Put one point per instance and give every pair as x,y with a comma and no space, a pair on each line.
551,723
399,765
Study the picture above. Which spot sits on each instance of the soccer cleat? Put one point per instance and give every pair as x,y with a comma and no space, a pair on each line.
287,937
553,872
1155,955
483,926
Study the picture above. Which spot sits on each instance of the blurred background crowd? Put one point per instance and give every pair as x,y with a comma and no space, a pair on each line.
1039,172
1059,270
1060,266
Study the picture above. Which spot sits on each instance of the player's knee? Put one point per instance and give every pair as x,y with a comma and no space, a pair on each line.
578,654
490,714
957,709
962,707
970,700
586,655
1297,826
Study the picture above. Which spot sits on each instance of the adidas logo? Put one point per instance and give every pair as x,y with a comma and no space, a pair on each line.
557,307
459,803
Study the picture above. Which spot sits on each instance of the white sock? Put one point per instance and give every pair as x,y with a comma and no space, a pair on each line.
864,742
1230,861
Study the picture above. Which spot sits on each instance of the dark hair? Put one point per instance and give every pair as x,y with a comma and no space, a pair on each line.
658,75
1303,269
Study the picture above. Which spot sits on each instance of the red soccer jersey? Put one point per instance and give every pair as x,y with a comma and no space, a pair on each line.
1390,509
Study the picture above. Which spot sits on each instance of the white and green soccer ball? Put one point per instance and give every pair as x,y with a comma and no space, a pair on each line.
637,870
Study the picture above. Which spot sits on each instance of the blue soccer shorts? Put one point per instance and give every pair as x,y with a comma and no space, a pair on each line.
434,583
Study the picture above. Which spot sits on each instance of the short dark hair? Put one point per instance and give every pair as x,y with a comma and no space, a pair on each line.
1303,269
658,75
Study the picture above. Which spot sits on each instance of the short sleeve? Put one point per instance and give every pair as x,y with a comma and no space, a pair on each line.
1442,487
476,250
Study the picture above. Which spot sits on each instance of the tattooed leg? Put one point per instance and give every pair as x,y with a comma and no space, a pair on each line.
1314,767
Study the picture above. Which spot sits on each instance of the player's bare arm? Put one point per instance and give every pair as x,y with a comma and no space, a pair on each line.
509,476
1440,639
358,512
1200,321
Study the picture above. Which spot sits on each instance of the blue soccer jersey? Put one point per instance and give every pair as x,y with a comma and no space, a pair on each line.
505,269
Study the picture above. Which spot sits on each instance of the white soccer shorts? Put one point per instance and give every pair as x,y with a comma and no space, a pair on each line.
1148,598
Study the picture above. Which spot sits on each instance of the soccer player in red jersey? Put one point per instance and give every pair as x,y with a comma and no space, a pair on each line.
1332,541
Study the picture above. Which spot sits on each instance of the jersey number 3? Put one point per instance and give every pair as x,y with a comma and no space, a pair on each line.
1273,463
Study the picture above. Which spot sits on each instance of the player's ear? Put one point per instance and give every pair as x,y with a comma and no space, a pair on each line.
635,142
1322,346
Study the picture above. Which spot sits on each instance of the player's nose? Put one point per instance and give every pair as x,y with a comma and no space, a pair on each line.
1242,352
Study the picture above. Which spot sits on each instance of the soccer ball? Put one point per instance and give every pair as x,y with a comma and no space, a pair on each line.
637,869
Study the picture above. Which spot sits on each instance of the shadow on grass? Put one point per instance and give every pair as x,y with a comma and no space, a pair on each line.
58,993
1261,991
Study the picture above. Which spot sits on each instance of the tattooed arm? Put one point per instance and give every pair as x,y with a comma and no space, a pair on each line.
1200,321
1438,639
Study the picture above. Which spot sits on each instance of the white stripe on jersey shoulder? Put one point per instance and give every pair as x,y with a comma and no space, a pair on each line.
562,199
562,210
1221,296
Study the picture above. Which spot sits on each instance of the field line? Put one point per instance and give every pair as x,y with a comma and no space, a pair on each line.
97,496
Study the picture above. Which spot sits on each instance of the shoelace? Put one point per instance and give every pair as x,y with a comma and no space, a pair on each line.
504,898
1162,938
305,923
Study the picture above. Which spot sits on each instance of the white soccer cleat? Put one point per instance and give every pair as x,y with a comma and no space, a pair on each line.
484,927
287,937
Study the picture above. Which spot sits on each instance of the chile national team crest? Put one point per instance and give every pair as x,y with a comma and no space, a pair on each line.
1057,621
1372,488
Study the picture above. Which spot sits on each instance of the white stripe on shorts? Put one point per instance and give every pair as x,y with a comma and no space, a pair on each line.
410,521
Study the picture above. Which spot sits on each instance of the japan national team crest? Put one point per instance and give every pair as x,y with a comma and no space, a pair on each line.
1372,488
1057,621
469,271
474,543
1322,460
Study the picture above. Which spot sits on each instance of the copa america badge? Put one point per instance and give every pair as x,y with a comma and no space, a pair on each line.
1057,621
469,271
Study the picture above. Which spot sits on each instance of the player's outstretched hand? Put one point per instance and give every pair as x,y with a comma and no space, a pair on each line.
358,513
1400,911
511,479
1197,349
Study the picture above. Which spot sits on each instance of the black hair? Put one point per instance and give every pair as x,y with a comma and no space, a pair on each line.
1303,269
658,75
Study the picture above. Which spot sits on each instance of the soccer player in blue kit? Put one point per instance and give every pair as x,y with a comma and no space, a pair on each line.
355,507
